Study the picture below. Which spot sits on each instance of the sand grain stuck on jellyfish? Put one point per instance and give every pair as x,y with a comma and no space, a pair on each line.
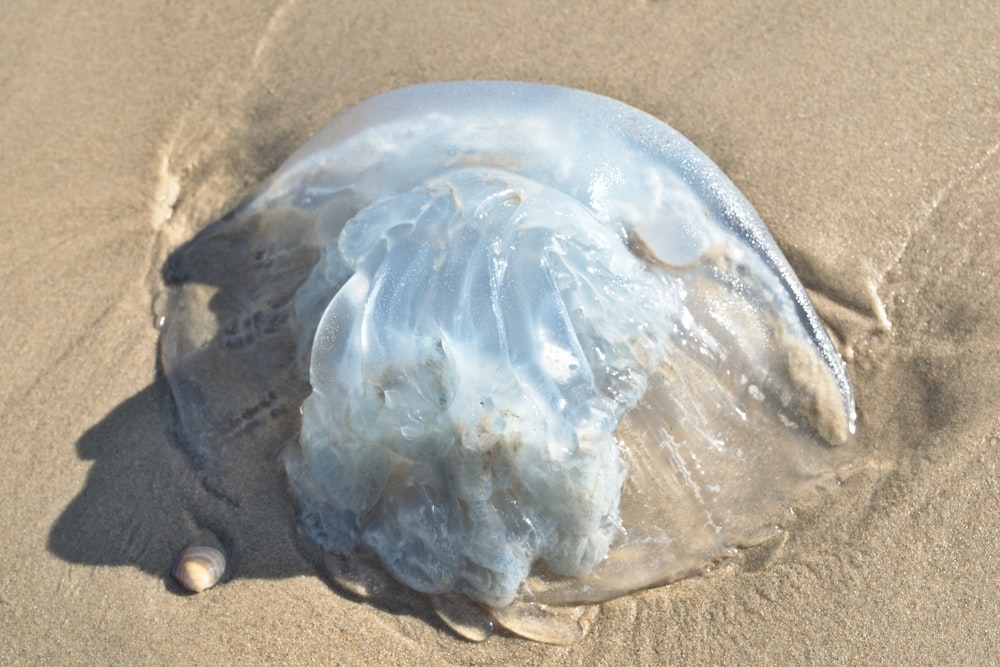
553,355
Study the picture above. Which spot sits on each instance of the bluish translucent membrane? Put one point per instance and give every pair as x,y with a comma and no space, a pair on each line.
554,355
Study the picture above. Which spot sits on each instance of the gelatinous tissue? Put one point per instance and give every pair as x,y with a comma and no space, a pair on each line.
554,354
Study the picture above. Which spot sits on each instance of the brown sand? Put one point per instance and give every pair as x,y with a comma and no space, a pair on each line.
868,141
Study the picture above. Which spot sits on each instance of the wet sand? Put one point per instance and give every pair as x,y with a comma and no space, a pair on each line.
869,142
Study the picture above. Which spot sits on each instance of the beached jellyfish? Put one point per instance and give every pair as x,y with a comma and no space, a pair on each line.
553,354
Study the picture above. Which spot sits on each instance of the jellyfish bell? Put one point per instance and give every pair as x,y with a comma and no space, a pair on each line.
554,355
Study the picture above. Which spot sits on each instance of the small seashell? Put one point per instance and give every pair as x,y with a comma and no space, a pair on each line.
199,568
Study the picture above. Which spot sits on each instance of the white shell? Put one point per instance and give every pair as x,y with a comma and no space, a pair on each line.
199,568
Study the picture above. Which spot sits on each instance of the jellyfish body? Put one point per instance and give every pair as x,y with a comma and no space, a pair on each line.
554,354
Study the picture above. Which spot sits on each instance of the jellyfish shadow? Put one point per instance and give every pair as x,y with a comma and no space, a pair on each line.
144,500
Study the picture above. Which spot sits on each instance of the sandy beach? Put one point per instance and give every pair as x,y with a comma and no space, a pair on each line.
867,139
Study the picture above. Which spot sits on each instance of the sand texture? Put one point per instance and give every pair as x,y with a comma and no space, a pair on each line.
868,140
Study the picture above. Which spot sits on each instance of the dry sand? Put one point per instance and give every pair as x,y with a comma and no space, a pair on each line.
869,141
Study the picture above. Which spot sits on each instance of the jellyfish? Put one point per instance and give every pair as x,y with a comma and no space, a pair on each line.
545,353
